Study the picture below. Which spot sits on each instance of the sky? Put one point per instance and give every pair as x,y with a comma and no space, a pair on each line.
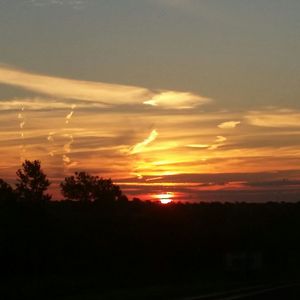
197,99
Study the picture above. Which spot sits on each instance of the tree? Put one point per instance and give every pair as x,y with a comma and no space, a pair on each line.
6,192
32,183
87,188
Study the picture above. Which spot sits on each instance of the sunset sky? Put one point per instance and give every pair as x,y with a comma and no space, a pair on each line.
198,99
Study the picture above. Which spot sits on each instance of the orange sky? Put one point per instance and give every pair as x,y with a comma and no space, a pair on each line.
142,147
195,98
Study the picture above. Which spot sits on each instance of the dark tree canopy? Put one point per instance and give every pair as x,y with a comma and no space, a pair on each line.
6,192
87,188
32,183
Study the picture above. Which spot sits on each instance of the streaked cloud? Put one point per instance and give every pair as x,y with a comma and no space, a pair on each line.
224,187
140,146
70,114
277,118
104,93
39,103
73,89
219,141
202,146
176,100
229,124
274,183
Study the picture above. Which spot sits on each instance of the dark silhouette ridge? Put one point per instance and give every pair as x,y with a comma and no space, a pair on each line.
75,248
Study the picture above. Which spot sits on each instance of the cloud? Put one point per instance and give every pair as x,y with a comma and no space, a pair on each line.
218,142
222,178
220,139
140,146
224,187
104,93
189,141
274,183
73,89
38,103
202,146
67,151
229,124
69,116
176,100
277,118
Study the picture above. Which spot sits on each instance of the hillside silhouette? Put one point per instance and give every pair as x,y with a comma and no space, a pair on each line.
96,240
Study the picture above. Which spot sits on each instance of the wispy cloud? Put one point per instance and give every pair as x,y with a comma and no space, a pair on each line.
229,124
140,146
70,114
274,183
105,93
201,146
229,187
277,118
39,103
219,141
177,100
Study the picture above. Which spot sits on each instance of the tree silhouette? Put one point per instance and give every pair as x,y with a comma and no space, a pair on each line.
6,192
87,188
32,183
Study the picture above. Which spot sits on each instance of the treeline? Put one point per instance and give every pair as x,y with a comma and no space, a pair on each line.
101,242
32,184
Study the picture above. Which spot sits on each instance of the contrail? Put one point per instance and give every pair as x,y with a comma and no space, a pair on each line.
69,116
67,150
68,146
50,139
22,123
66,160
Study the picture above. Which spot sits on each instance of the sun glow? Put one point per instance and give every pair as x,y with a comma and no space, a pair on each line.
165,201
165,198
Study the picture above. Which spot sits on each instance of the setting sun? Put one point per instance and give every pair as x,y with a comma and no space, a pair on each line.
165,198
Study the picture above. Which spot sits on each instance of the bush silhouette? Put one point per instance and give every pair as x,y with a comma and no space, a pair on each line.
32,183
87,188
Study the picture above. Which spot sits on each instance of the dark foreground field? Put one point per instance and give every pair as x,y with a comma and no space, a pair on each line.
136,250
